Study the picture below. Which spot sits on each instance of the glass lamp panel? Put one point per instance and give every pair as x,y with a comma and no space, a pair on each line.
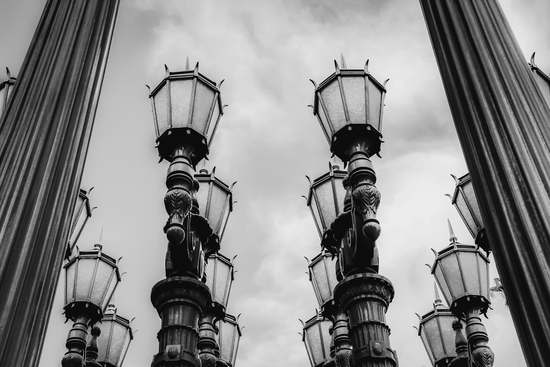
160,105
70,271
333,102
210,130
84,278
432,339
316,215
325,125
219,276
375,102
204,99
229,335
218,205
470,272
317,339
324,200
114,341
470,197
104,284
323,277
453,276
441,282
483,266
465,214
354,90
180,99
436,333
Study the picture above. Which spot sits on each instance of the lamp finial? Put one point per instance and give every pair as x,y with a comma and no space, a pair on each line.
452,236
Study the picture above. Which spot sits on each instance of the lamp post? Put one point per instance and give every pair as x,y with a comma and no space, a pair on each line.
186,110
91,279
349,107
462,273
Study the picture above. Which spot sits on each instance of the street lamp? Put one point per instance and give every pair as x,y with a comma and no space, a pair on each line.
462,273
317,340
349,107
186,110
91,279
114,341
433,330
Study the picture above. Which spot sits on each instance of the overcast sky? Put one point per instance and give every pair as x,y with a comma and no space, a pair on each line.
267,141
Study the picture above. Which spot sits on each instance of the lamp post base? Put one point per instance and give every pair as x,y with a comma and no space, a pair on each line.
179,301
365,298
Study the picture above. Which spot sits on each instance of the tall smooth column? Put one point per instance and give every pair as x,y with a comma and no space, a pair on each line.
44,137
503,124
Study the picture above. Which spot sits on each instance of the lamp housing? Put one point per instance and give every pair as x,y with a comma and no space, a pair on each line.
436,332
91,279
6,87
317,339
462,273
219,277
326,197
322,275
215,200
187,107
115,338
229,334
82,212
347,104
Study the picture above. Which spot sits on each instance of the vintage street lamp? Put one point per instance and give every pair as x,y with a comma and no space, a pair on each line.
6,88
434,331
229,335
317,340
91,279
465,202
543,80
322,274
186,110
462,273
349,107
114,341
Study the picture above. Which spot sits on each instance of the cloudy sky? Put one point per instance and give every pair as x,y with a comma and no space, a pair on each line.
267,141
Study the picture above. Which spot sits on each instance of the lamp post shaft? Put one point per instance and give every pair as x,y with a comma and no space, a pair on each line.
480,353
44,137
501,119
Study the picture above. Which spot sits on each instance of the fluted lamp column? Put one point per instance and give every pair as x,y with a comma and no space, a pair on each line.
186,110
462,273
349,107
115,338
91,279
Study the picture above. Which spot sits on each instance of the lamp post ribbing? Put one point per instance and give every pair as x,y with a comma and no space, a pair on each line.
501,119
44,135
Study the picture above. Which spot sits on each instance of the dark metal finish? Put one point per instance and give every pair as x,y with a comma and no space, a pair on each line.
44,135
179,302
461,346
480,353
501,119
365,298
92,348
76,343
115,339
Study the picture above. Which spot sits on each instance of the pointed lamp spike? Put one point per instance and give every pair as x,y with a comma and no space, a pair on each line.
166,70
452,236
342,61
437,301
187,63
367,67
336,66
532,61
313,82
196,70
9,74
456,179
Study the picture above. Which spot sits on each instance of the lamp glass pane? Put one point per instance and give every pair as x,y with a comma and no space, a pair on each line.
218,279
3,99
438,274
180,100
432,336
333,102
316,216
223,220
375,98
160,103
470,196
323,274
218,203
470,272
85,278
324,122
449,265
119,341
425,342
213,122
325,201
483,275
104,349
102,284
465,214
354,89
204,97
69,282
